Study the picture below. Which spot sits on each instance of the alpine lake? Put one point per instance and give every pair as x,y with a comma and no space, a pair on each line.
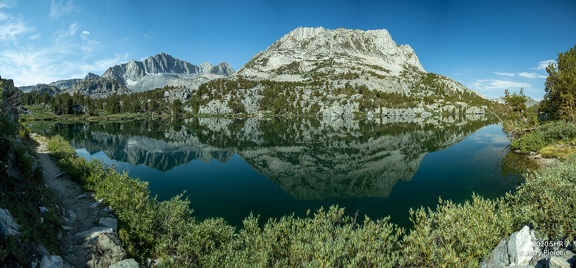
273,167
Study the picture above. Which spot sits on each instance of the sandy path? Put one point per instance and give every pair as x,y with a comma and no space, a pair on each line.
79,213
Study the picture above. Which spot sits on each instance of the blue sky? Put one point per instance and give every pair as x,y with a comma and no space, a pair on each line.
486,45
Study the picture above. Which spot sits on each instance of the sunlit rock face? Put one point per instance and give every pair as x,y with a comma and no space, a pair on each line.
338,74
310,159
315,49
164,70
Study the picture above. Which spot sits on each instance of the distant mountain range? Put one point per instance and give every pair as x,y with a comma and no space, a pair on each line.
135,76
333,73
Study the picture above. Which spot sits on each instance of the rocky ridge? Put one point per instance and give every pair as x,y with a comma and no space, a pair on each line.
164,70
134,76
305,50
98,87
338,74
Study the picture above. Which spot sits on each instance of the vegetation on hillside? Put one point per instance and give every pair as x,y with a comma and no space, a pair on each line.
22,190
150,102
245,96
548,128
560,99
310,96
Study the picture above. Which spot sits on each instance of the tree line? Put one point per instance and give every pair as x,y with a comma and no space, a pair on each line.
147,102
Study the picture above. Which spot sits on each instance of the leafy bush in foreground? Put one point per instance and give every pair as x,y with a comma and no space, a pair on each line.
452,235
456,235
547,200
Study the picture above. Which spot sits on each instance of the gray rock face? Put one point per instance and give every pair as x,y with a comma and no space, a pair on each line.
94,232
54,87
222,68
498,257
307,49
106,250
99,88
109,222
53,261
128,263
49,89
8,226
557,262
521,247
326,61
215,107
159,64
132,72
518,251
91,76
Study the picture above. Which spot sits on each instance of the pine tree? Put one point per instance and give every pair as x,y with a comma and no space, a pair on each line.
560,97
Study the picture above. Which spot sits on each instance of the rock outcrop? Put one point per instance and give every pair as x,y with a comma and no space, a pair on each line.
317,49
99,87
8,226
522,249
48,89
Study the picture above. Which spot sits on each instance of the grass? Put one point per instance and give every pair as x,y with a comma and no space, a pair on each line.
558,150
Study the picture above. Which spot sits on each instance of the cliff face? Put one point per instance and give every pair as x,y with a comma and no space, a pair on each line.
338,74
319,50
9,100
99,87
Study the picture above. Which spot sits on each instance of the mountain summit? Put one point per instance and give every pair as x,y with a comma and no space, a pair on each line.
164,70
306,50
129,73
337,74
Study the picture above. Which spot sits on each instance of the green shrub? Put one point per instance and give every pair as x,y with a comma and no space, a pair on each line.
531,142
547,201
328,239
60,148
456,235
558,131
544,135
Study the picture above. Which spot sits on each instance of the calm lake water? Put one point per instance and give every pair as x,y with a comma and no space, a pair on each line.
230,168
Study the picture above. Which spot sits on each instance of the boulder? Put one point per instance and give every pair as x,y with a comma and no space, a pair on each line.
105,249
127,263
109,222
498,257
557,262
518,250
53,261
94,232
8,226
521,247
215,107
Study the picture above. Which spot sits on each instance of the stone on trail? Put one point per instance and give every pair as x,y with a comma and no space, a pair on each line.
8,226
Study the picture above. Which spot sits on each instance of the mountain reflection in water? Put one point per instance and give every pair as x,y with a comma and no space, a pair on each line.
348,162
